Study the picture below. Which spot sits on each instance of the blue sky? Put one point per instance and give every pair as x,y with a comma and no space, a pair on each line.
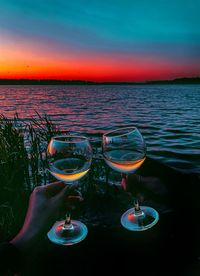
164,31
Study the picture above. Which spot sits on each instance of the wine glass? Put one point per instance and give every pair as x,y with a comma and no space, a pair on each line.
69,159
124,150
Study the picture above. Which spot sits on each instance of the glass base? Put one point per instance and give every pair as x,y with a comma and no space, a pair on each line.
67,235
139,221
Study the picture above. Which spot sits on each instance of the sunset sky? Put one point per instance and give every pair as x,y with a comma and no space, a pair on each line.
99,40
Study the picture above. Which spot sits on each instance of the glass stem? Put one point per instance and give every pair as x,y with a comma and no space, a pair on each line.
137,209
68,218
67,224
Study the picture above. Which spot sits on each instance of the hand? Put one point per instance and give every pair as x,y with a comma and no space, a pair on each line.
44,205
135,183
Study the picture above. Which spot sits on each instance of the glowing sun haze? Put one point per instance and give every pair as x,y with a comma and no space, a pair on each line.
107,40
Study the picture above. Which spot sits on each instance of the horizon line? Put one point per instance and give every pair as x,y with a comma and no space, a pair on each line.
90,81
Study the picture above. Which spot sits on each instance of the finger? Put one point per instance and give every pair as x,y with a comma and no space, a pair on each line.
124,175
124,183
129,184
54,188
72,199
64,193
73,192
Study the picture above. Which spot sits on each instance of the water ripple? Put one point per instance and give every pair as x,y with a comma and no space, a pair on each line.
168,115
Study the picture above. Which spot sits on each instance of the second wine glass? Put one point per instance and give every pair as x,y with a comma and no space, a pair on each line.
124,150
69,159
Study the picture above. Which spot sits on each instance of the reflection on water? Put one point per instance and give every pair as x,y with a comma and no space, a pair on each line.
168,115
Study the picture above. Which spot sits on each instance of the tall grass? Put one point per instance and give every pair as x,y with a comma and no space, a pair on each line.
23,166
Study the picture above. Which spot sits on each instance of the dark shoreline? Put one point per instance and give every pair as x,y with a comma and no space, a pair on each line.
195,80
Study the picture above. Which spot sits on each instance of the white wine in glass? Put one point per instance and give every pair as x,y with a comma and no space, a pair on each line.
69,159
124,150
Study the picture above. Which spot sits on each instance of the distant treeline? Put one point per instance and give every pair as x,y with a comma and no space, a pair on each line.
42,82
82,82
176,81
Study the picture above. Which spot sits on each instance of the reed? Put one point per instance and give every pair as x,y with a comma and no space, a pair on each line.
23,164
